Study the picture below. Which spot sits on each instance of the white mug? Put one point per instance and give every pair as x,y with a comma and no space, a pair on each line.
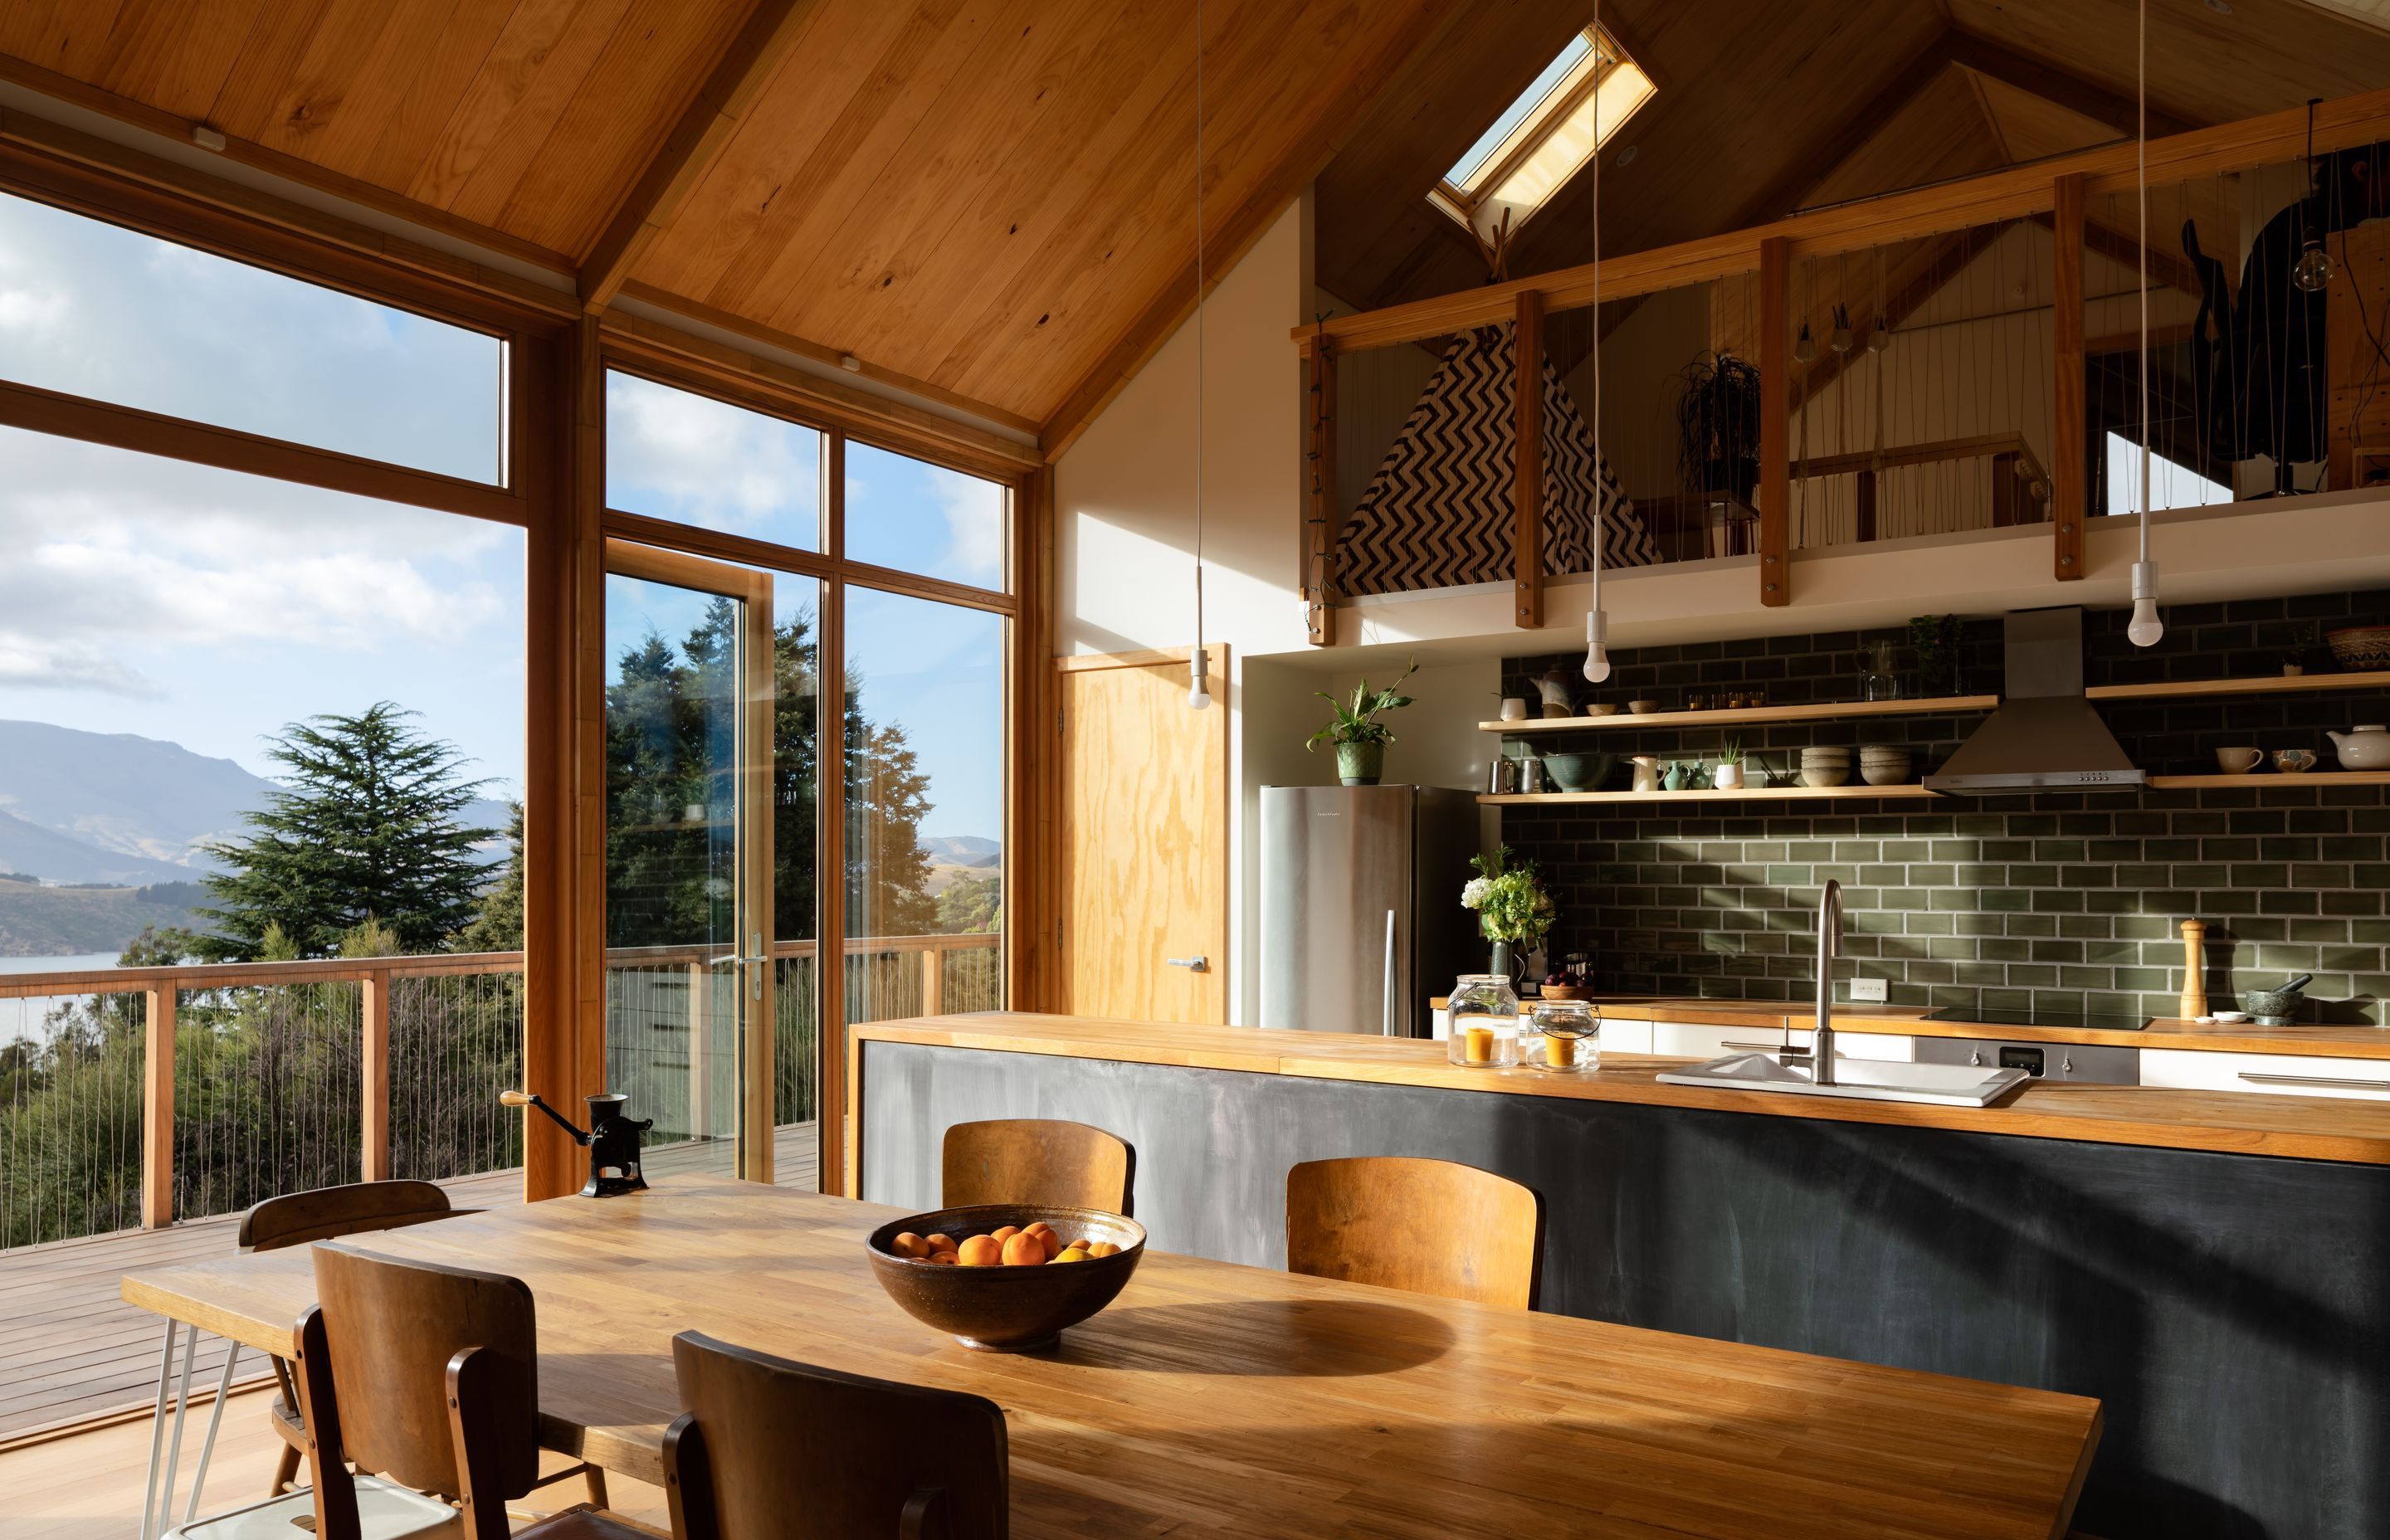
1514,708
2239,762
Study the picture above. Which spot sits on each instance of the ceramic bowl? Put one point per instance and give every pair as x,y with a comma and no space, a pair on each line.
2361,646
1824,774
1579,772
1604,708
2291,761
1642,708
1885,772
1006,1309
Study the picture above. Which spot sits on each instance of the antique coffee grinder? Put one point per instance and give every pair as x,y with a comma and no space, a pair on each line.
612,1141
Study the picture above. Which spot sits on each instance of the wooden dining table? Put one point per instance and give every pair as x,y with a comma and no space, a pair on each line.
1213,1399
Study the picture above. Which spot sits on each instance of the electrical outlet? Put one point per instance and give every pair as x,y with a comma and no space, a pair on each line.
1868,989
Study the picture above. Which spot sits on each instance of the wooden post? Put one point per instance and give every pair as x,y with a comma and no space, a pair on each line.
934,980
1527,530
158,1110
1775,435
1321,513
2007,496
835,1128
1864,530
700,1052
2069,457
372,1009
2194,969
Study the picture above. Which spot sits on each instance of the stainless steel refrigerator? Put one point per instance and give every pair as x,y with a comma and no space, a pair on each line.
1360,914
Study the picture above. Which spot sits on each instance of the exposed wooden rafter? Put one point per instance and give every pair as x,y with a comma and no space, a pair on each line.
689,150
2057,85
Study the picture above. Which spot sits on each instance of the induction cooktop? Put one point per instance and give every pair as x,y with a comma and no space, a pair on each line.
2072,1020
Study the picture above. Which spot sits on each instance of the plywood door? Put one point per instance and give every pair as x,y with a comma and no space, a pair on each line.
1144,838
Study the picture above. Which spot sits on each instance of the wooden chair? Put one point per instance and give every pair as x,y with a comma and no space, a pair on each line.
772,1450
1037,1161
325,1213
427,1375
1431,1226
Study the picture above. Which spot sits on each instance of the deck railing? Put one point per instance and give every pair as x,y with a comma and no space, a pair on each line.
140,1095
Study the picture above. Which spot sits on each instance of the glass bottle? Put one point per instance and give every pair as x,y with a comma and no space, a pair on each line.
1881,679
1485,1014
1564,1038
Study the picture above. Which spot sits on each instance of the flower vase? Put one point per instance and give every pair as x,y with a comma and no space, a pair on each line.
1501,966
1360,763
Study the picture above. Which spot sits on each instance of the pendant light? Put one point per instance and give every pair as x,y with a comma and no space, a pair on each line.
1597,620
2146,628
1199,687
2313,274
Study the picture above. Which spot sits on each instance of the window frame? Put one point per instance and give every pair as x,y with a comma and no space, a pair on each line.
1462,202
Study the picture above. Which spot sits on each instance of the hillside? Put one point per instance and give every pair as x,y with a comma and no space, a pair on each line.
50,922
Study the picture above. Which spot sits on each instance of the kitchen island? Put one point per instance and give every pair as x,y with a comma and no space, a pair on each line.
2215,1267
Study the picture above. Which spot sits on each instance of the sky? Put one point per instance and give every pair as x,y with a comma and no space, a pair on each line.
210,609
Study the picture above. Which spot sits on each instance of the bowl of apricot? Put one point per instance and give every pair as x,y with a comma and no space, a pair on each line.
1006,1278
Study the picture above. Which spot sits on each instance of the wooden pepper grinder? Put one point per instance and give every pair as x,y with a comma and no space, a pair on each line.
2194,969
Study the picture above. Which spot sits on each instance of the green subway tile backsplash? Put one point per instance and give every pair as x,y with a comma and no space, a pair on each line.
2060,902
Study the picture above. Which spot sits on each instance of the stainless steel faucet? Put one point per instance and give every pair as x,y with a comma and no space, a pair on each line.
1829,941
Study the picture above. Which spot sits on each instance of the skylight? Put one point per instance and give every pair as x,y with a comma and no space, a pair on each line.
1545,137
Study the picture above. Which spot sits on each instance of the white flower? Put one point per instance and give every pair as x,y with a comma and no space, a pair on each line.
1472,893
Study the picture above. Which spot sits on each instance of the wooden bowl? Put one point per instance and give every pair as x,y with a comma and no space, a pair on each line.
2358,648
1006,1309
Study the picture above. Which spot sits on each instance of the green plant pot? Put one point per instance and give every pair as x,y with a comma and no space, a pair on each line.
1360,763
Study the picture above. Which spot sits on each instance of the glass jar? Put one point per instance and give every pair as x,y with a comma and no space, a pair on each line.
1485,1013
1564,1038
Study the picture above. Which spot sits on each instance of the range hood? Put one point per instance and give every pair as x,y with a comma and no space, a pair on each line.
2044,736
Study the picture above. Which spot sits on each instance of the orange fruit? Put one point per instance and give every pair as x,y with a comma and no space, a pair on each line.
1006,1233
979,1251
1103,1249
939,1242
909,1245
946,1258
1072,1254
1024,1250
1052,1242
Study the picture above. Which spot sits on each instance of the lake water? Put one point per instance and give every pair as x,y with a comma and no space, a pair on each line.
58,965
24,1019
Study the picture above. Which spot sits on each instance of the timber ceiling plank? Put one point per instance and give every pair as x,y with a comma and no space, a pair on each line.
270,53
64,35
357,66
2032,126
455,60
738,77
174,54
542,40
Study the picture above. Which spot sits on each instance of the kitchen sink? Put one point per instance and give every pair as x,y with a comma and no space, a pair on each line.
1857,1079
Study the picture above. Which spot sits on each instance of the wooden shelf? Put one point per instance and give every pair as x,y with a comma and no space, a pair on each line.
2275,685
1822,712
2261,779
1747,794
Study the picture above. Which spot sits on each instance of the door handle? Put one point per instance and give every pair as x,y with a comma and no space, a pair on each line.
2254,1078
1386,1022
754,980
1197,964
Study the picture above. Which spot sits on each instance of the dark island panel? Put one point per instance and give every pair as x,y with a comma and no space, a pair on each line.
2228,1309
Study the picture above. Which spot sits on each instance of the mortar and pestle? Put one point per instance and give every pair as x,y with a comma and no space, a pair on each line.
2276,1007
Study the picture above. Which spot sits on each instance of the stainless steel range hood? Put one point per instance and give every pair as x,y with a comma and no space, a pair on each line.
2044,736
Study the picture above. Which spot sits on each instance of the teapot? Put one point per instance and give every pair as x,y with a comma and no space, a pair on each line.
2364,747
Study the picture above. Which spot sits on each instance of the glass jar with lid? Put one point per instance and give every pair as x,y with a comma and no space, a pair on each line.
1484,1015
1564,1038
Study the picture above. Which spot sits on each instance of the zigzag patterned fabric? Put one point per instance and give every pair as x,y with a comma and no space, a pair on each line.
1439,511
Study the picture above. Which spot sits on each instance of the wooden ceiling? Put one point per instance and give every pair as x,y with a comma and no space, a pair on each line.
1762,110
989,202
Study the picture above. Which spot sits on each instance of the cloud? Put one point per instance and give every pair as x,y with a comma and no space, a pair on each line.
673,454
975,523
36,663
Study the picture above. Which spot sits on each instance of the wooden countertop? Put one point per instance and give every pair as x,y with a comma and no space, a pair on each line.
2322,1041
1213,1400
2321,1128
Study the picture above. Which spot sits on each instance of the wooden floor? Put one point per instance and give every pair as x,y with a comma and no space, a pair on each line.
72,1350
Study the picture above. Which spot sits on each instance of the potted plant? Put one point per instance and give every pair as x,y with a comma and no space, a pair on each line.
1718,425
1935,637
1359,737
1512,908
1727,774
2303,645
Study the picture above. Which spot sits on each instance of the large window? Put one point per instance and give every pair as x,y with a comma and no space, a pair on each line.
96,311
684,457
1545,135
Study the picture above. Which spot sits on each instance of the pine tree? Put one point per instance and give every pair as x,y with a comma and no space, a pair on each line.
367,831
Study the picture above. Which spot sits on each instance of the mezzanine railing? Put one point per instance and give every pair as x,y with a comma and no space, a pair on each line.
140,1095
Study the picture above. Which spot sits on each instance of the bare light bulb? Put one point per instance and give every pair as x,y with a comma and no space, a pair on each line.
1199,688
2146,628
2313,274
1597,645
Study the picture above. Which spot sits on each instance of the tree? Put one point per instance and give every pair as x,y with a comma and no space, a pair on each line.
497,922
368,831
972,905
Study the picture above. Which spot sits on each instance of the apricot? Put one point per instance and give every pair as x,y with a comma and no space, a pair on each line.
1072,1254
979,1251
1024,1250
943,1258
1103,1249
1007,1234
940,1242
1048,1239
909,1245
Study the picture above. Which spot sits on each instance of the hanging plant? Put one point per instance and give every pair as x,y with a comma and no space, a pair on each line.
1718,425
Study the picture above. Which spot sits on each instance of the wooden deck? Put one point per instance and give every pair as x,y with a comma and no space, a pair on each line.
72,1350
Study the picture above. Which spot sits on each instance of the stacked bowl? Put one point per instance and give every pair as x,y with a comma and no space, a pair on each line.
1825,765
1883,764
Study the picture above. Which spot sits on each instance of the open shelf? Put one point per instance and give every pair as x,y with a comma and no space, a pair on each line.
1821,711
1706,795
2261,779
2274,685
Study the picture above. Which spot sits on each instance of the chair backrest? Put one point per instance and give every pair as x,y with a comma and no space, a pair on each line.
772,1450
327,1212
374,1367
1037,1161
1431,1226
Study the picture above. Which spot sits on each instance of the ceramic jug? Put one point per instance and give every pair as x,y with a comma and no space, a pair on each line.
2364,747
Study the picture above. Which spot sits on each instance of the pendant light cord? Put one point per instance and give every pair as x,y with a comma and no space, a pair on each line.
1198,328
1600,467
2141,181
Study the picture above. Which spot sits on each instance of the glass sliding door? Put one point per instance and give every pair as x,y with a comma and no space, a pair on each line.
693,715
